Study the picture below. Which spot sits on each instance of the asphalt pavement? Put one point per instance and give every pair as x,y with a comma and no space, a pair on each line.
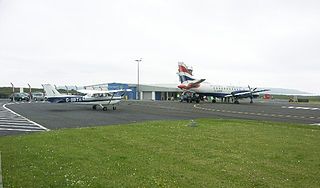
45,116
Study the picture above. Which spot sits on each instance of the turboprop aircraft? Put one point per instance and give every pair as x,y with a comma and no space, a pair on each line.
95,98
189,83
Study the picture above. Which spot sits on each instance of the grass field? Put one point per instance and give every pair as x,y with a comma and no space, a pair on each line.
215,153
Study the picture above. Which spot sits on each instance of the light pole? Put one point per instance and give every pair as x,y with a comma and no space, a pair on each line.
12,91
138,86
30,92
67,90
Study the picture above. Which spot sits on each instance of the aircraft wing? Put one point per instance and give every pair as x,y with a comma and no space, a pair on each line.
246,93
262,90
119,90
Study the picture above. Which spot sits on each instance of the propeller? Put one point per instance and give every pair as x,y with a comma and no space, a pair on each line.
251,93
251,90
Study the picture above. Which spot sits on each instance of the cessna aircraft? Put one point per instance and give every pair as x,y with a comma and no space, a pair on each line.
87,97
189,83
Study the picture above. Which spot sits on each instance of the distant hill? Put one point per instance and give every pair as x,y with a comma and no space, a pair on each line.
5,92
281,91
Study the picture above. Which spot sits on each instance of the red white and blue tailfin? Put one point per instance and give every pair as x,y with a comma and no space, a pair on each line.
184,72
186,78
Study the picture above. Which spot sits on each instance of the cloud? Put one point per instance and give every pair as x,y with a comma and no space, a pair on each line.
97,41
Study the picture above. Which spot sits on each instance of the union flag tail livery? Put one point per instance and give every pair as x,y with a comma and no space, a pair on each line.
184,72
184,69
186,78
225,93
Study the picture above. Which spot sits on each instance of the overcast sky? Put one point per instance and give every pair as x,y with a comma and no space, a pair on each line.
269,43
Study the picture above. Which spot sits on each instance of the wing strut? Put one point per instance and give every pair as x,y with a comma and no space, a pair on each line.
111,99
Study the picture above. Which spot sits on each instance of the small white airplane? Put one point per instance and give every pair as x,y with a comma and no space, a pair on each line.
189,83
95,98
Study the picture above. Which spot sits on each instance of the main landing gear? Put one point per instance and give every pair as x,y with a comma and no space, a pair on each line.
233,100
104,108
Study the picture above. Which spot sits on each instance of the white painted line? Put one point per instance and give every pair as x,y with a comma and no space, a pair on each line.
17,126
318,124
15,123
300,108
12,121
22,130
263,114
4,106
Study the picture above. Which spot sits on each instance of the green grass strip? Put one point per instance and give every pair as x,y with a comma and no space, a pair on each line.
214,153
1,184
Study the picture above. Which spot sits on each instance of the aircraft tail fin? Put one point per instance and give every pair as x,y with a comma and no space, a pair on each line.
184,72
50,90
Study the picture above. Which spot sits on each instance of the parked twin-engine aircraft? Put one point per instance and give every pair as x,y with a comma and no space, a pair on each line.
189,83
87,97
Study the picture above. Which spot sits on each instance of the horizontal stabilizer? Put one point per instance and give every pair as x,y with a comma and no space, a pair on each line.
197,81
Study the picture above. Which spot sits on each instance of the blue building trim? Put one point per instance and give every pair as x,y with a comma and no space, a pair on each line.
130,94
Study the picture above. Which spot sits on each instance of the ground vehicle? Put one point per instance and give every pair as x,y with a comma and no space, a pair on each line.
37,96
20,97
189,97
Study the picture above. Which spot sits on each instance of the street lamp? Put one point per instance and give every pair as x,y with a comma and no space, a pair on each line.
30,92
138,86
12,91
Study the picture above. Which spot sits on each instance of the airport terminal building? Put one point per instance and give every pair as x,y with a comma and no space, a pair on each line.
146,92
